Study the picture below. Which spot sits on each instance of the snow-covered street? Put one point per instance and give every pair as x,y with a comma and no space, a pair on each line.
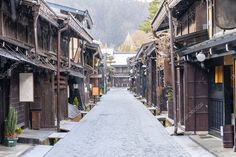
118,126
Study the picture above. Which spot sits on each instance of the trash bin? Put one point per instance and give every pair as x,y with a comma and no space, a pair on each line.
228,136
35,121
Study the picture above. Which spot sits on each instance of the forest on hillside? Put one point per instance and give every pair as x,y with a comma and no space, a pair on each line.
113,19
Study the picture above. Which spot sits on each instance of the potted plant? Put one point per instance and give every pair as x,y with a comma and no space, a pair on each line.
76,102
10,136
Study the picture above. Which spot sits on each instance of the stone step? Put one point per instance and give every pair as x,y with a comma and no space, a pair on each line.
38,151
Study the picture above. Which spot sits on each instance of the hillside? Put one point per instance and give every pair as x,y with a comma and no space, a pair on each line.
113,19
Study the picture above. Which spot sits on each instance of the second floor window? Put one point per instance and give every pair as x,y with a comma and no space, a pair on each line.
75,50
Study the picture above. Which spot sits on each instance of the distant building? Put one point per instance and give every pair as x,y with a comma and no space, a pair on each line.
120,77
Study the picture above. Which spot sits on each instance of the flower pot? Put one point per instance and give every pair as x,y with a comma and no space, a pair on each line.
10,142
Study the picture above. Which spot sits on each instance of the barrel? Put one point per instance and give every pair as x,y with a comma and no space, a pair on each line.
36,117
228,136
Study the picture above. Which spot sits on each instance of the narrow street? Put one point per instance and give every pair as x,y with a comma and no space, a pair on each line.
118,126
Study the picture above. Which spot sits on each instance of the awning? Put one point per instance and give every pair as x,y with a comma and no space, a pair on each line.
96,76
3,53
120,76
17,56
76,74
209,44
72,72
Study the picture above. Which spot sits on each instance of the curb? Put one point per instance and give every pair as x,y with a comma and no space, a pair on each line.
203,146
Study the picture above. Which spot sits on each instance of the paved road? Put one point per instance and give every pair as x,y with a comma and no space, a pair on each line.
119,126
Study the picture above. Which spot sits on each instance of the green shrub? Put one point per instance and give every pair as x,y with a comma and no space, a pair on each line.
11,123
19,131
76,101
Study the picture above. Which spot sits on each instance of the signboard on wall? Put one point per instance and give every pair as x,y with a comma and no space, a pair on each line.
225,14
95,91
26,85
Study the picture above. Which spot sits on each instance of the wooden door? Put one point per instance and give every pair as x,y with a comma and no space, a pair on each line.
228,93
196,97
154,83
4,101
216,97
48,109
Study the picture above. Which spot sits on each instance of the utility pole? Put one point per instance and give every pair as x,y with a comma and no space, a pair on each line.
173,69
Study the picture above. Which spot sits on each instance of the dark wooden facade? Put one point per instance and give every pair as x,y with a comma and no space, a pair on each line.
120,76
19,39
29,44
205,89
148,75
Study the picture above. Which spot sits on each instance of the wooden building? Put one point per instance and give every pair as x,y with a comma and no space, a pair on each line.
120,72
24,51
120,76
93,69
74,39
151,73
204,42
32,37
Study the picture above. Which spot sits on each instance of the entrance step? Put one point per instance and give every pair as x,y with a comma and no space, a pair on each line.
66,126
38,151
35,136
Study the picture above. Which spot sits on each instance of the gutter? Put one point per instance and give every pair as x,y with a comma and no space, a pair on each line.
58,73
36,16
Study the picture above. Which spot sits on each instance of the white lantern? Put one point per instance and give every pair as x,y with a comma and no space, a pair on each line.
201,57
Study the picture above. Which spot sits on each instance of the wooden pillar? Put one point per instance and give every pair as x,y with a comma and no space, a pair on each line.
234,102
173,69
178,82
2,30
157,87
149,89
53,95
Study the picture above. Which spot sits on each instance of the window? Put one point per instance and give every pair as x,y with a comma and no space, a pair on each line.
75,50
219,74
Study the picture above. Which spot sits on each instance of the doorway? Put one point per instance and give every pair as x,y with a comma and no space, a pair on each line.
221,98
4,101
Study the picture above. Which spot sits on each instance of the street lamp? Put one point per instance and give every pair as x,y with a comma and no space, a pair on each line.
144,66
76,86
131,71
201,57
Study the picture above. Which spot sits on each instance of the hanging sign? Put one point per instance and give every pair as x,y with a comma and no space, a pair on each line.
95,91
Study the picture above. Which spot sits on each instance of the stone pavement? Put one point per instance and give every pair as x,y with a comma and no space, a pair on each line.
119,126
213,145
14,151
189,145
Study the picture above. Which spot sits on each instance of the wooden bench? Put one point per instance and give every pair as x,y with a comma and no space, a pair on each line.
144,101
57,135
153,110
91,106
83,113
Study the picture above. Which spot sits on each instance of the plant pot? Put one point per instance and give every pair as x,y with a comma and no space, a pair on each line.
10,142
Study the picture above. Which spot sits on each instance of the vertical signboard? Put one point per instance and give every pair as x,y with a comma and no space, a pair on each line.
95,91
26,85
